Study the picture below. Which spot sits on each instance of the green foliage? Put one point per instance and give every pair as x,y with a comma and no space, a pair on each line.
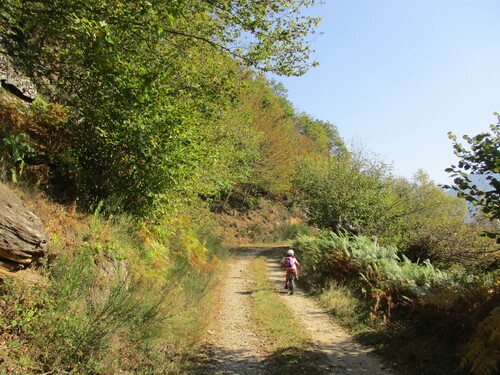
22,309
277,147
148,87
158,102
371,260
281,93
112,298
232,147
451,244
378,270
418,216
451,304
340,301
318,136
271,36
431,224
95,298
289,231
88,312
14,152
347,186
481,160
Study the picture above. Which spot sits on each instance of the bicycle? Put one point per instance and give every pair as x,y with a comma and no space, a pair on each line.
291,282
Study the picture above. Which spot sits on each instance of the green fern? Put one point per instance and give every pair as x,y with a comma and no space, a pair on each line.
14,150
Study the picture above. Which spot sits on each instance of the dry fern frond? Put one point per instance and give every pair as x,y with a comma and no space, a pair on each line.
483,351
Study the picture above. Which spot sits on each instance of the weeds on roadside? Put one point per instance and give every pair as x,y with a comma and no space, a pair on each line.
21,311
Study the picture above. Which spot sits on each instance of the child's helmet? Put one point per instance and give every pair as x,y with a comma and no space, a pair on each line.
290,252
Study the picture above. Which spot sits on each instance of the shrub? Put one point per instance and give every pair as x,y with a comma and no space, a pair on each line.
452,243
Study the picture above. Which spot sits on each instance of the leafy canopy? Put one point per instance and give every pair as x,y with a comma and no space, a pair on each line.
349,186
150,87
268,35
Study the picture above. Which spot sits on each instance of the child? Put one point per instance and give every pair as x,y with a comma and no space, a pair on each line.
291,264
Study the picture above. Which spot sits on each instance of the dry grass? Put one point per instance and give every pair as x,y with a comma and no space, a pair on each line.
339,300
264,222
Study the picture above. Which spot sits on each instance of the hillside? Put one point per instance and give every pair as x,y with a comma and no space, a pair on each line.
149,142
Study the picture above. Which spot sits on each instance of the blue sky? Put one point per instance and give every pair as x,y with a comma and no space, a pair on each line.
395,76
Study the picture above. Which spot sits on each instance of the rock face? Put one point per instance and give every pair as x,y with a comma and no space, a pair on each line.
22,237
14,80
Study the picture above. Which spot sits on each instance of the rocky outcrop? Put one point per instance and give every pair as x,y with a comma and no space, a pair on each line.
22,237
14,80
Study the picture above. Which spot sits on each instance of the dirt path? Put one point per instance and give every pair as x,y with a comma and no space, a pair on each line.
236,349
344,354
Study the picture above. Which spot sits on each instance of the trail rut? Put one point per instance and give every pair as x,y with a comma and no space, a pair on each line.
234,345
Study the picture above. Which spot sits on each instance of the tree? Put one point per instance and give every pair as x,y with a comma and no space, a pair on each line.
278,149
145,81
348,186
318,136
480,163
268,35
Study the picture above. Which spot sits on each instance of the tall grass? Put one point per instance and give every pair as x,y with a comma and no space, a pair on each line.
342,303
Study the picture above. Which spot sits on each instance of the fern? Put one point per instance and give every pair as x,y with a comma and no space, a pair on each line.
15,149
482,352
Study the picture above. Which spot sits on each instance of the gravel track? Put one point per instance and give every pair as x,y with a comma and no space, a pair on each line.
236,349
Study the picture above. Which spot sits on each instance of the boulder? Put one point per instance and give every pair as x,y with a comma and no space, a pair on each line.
22,236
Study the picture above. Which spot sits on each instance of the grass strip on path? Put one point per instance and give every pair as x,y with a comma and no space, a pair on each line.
289,348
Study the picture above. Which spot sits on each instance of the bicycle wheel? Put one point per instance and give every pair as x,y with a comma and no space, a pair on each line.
291,283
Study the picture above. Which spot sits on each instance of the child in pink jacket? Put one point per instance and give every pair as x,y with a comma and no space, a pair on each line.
291,264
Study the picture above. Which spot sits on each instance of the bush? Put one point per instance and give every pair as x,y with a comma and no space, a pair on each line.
450,244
